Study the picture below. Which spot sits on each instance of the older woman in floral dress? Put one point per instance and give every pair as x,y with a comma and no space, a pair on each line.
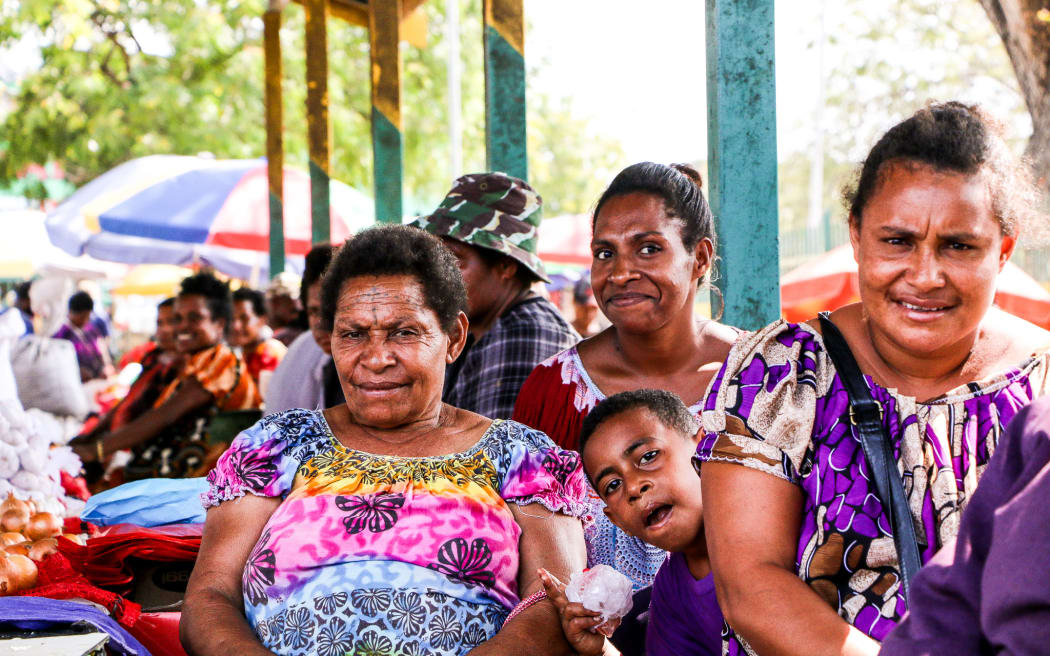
392,524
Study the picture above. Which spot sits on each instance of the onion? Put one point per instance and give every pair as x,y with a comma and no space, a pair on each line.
7,539
5,576
14,520
41,549
21,548
43,525
76,538
24,572
14,503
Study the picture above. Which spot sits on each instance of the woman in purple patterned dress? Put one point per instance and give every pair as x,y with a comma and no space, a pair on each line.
801,546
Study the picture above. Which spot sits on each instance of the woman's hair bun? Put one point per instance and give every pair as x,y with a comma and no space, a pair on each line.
689,172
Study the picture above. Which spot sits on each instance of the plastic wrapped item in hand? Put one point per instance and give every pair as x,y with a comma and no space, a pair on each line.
603,590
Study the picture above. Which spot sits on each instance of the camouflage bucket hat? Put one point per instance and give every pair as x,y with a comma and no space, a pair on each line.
493,211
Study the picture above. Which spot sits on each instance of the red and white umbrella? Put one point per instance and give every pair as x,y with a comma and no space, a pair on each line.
829,281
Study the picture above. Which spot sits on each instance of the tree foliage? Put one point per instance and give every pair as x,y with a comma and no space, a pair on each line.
884,60
120,79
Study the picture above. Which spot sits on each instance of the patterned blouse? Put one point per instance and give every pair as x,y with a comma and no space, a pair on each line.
555,399
386,555
221,372
778,406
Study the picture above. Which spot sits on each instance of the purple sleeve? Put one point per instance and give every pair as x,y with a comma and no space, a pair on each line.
981,593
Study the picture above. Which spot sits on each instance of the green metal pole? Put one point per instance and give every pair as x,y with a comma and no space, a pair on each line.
742,157
505,87
274,137
317,116
384,28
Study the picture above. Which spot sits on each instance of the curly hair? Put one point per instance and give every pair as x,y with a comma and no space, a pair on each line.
214,291
253,296
394,251
681,188
952,137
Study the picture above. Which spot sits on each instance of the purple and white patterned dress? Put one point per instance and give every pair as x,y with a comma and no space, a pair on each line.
778,406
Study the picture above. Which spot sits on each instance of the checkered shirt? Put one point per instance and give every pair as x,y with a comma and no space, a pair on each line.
488,375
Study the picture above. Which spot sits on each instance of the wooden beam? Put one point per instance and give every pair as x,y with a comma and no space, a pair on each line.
742,158
387,149
274,137
505,87
317,116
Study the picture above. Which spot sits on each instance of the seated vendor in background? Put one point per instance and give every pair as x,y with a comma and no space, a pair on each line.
160,365
167,440
249,333
283,307
306,377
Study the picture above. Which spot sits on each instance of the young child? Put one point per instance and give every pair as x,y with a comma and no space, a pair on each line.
637,452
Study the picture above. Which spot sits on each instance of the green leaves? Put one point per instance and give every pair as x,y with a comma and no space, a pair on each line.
125,78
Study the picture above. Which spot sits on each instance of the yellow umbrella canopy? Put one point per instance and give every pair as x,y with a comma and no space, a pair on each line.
152,280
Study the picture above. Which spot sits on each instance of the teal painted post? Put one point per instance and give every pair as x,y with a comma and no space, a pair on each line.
742,158
505,87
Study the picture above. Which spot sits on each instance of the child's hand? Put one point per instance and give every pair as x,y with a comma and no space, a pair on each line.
579,624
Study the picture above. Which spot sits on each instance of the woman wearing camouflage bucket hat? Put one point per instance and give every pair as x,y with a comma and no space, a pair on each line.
490,221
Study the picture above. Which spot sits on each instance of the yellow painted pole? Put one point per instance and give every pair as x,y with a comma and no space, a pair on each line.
317,115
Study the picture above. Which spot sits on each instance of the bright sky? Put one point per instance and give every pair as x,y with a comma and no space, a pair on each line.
638,69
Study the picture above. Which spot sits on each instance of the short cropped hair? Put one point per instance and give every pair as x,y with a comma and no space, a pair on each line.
81,302
664,405
397,250
253,296
314,266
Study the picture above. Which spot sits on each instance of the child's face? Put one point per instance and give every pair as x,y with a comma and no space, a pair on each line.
643,472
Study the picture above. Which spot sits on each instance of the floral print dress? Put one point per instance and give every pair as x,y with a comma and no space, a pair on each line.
779,406
383,555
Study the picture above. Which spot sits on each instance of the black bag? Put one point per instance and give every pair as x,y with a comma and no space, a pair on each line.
865,414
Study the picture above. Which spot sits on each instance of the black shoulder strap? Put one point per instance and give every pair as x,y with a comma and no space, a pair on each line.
866,416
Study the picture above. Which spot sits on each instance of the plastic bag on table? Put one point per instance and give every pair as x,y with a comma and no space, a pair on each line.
149,502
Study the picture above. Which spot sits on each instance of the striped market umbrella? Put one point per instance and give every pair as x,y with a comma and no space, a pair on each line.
172,209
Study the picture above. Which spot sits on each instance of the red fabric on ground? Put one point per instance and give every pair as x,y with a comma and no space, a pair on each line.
58,579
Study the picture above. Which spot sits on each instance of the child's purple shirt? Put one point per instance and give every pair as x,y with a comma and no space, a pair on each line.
684,618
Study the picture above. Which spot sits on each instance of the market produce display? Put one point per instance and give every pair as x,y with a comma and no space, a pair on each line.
33,456
29,537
